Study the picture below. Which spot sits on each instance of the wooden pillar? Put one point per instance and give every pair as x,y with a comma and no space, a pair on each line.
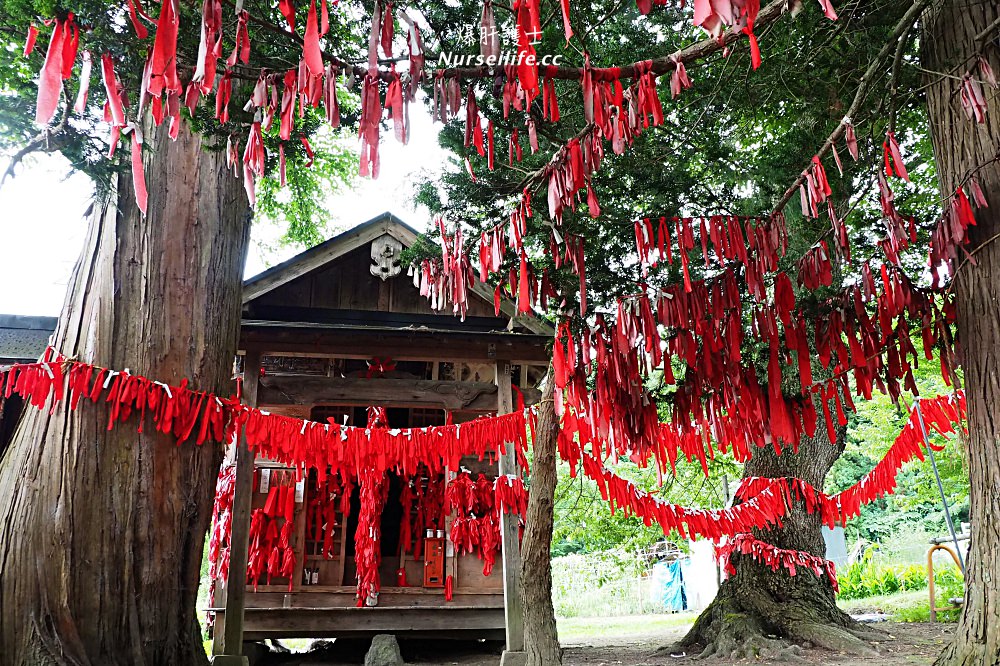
229,652
509,533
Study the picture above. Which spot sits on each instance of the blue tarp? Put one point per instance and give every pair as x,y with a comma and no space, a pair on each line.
668,583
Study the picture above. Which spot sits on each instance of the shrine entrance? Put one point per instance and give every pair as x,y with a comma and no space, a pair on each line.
329,335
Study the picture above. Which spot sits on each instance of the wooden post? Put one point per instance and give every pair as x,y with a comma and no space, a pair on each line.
230,651
509,533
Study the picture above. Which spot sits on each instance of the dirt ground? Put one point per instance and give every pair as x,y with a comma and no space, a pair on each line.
916,643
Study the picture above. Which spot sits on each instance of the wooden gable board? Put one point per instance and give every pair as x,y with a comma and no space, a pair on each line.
343,261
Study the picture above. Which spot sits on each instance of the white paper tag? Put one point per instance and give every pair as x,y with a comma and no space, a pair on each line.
265,480
300,491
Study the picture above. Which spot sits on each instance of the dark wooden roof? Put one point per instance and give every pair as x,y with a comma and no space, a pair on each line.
23,339
328,297
400,343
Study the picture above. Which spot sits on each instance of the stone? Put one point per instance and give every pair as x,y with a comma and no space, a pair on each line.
384,652
512,658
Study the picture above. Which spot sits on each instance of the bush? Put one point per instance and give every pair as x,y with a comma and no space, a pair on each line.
872,577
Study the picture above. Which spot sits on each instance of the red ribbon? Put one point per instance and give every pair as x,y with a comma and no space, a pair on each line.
29,42
775,558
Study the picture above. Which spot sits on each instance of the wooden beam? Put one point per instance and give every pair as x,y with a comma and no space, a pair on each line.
509,528
231,646
400,344
441,621
450,395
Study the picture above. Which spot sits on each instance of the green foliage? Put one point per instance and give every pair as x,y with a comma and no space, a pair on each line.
83,141
601,584
300,207
866,578
921,612
872,576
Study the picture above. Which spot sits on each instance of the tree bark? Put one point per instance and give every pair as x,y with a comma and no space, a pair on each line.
961,148
103,531
541,640
756,603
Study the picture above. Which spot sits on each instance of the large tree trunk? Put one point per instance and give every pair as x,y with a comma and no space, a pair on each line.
103,531
962,147
757,603
541,640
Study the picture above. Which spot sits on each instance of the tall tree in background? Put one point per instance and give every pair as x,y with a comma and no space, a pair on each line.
101,553
730,145
955,35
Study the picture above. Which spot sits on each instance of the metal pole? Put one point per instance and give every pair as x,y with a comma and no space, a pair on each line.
944,500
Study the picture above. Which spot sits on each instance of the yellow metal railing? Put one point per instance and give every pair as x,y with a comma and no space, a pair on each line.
930,576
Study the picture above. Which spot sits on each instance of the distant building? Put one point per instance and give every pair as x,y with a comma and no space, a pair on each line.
23,339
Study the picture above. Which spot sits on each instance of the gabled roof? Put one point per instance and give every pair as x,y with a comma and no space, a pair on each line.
328,251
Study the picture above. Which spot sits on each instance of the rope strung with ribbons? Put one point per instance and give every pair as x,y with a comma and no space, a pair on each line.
297,443
774,557
350,451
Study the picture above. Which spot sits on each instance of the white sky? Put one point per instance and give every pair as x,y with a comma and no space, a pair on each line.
42,225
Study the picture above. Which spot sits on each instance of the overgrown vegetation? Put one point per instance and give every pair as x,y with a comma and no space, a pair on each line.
872,576
603,584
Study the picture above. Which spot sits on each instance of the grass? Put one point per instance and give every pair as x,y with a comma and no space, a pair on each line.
912,606
909,606
580,628
890,604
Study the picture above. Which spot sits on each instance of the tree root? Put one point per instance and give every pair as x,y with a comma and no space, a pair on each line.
745,638
755,628
832,637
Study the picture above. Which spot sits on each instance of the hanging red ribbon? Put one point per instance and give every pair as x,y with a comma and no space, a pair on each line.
29,42
311,52
774,558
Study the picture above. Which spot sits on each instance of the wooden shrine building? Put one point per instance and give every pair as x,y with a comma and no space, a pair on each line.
333,331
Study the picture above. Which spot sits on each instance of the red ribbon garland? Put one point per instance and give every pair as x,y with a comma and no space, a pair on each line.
201,416
765,500
773,557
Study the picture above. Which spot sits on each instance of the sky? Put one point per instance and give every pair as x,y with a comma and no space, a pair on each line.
42,224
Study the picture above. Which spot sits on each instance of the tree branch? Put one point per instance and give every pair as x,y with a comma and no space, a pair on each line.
41,141
696,51
897,61
902,28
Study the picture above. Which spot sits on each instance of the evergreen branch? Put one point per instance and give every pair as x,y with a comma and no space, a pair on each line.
697,51
42,141
898,33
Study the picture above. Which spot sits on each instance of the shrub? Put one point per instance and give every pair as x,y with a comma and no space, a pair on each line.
872,577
